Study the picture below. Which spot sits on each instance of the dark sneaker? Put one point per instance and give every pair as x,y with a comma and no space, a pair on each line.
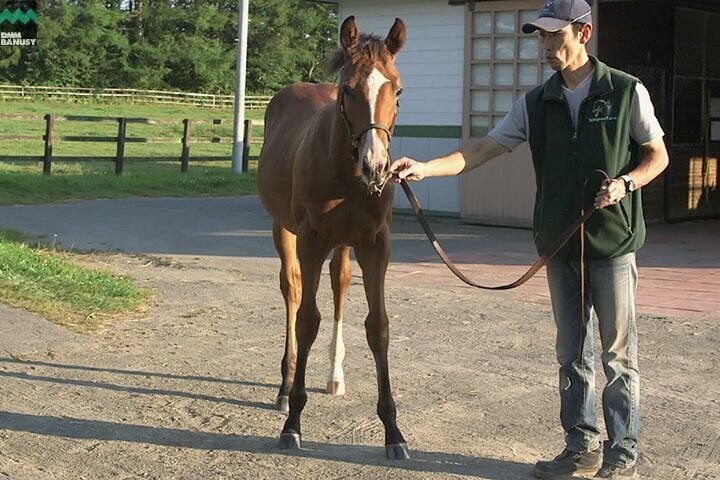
613,471
569,463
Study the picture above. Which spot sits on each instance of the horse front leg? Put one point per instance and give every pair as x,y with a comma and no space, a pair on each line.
311,253
373,260
286,246
340,273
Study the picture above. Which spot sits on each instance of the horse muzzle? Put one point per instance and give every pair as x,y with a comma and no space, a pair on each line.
378,182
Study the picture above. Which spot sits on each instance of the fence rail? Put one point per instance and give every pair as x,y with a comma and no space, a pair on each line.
15,92
121,139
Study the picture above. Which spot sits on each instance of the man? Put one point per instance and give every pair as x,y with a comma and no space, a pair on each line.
587,116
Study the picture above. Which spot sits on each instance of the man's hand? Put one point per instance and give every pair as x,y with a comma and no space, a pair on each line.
407,169
611,192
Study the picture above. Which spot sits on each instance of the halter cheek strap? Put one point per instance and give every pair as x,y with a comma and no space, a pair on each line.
355,137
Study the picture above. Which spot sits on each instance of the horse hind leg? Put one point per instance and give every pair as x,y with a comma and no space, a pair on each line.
340,272
285,244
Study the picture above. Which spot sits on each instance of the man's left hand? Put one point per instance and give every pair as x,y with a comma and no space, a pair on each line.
611,192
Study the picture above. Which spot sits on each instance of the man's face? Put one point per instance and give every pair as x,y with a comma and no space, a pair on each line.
562,48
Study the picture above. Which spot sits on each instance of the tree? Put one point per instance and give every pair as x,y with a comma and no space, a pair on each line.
188,45
287,41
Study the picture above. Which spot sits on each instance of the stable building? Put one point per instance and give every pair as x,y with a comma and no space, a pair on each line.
465,62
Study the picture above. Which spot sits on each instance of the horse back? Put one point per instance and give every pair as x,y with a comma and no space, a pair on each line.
288,117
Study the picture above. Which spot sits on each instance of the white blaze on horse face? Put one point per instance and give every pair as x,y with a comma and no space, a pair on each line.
372,148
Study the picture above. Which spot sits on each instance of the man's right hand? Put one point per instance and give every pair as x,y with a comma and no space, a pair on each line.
406,168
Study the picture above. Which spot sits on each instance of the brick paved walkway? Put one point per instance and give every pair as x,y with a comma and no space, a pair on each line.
679,266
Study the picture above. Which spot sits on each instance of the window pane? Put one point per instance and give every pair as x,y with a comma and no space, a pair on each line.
497,119
528,48
481,49
527,74
480,101
478,125
503,74
527,16
504,49
502,101
712,66
482,23
715,131
481,75
505,22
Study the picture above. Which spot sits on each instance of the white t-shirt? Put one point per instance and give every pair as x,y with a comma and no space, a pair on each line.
514,128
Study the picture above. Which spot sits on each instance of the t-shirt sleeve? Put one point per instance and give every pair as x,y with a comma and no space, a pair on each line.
512,130
644,126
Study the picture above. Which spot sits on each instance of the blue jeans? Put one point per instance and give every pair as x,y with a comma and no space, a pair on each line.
610,291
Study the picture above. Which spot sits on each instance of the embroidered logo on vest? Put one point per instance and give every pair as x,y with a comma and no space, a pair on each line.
601,111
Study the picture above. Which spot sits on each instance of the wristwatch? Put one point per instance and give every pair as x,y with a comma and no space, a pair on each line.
629,183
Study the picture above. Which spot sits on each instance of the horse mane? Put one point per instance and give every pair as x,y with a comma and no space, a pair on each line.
369,48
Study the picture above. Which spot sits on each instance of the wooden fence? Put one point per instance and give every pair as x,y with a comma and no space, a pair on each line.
15,92
121,139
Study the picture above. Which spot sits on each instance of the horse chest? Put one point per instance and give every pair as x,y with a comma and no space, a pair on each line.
348,223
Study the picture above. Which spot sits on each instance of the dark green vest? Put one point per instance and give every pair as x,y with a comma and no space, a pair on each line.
564,158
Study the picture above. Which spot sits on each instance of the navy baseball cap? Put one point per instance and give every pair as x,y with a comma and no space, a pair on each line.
558,14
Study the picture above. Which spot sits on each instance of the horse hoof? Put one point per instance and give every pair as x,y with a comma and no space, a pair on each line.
398,451
289,441
336,388
283,403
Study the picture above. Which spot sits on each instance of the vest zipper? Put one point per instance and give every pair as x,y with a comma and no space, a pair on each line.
574,152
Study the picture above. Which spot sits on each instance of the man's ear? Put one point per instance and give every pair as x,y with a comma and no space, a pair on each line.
586,33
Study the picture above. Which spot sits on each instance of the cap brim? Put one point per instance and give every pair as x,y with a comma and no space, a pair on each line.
545,23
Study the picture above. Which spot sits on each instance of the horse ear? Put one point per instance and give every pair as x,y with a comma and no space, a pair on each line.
348,33
396,38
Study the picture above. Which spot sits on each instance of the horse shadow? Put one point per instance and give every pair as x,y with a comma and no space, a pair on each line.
421,461
137,389
90,429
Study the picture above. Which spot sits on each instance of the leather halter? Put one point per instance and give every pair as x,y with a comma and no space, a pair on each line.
355,137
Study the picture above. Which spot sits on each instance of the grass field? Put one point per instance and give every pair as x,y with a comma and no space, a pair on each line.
53,285
23,182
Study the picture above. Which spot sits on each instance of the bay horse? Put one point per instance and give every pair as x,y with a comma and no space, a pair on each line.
321,176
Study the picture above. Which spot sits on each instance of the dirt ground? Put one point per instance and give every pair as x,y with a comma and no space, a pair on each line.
186,389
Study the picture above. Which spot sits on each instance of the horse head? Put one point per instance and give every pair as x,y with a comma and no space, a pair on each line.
368,89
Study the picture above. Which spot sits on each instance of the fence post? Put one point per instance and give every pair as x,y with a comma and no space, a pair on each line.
120,158
185,146
49,127
247,137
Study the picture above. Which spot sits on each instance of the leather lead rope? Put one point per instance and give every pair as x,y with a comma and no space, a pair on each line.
554,248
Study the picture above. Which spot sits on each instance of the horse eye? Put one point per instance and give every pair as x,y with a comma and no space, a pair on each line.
399,92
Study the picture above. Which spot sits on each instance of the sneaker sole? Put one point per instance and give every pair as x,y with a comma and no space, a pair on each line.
565,476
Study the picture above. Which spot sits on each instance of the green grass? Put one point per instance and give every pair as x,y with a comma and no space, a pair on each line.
145,175
22,183
53,285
